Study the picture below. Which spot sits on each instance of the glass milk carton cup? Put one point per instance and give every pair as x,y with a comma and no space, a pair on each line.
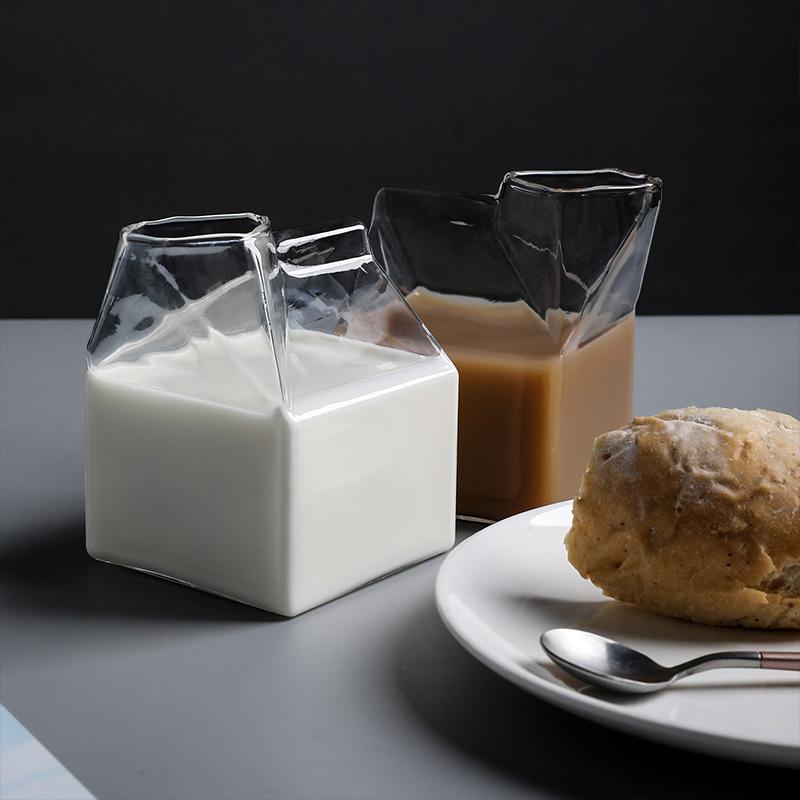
531,292
256,427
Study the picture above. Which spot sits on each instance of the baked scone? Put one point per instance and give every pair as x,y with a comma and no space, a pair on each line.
695,513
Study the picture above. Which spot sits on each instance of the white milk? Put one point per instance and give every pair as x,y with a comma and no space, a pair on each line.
197,471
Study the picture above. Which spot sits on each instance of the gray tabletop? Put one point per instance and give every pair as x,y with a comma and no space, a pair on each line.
146,689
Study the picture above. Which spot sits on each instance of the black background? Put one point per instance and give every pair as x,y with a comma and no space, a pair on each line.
115,112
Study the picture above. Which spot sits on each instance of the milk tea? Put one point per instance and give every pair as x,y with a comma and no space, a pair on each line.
530,404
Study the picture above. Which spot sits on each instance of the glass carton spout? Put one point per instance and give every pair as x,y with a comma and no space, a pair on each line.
578,242
327,283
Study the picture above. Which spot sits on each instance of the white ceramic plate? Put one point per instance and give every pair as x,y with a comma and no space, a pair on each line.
499,590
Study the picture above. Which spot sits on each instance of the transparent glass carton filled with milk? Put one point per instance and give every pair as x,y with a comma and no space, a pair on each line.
258,423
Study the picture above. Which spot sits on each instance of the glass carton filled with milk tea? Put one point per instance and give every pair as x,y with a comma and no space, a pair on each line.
531,292
267,419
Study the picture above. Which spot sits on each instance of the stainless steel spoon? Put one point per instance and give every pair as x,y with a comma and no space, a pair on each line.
604,662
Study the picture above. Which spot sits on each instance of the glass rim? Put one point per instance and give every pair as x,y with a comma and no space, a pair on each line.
626,181
260,226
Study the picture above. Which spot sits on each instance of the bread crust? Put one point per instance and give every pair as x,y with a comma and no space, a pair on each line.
695,513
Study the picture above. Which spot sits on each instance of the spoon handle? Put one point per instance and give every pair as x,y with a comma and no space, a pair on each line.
776,660
738,659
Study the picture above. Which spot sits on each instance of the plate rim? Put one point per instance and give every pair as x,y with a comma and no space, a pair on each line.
592,708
